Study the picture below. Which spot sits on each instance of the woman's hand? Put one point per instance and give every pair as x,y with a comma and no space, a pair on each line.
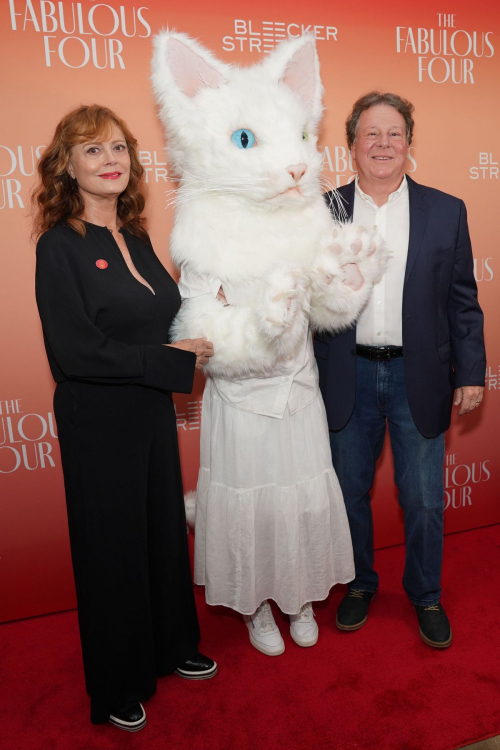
201,347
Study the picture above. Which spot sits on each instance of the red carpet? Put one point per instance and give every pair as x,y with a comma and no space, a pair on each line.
380,688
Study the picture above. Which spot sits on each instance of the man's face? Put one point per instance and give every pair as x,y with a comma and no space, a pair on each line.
380,148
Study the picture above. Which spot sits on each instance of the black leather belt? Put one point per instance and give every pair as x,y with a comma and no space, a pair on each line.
379,353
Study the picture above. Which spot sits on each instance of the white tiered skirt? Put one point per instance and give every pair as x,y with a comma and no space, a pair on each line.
270,518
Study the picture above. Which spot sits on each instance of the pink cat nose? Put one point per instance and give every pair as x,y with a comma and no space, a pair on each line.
297,171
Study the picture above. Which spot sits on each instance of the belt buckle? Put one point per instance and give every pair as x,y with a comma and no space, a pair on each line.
383,354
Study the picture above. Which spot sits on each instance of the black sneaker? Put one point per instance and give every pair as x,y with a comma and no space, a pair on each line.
353,609
199,667
130,717
434,625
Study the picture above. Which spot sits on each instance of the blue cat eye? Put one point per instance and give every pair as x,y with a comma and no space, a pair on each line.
243,138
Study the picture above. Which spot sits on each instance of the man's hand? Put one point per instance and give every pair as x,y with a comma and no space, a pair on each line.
469,397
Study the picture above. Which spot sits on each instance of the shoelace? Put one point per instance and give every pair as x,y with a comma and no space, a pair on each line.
356,594
306,613
265,619
433,608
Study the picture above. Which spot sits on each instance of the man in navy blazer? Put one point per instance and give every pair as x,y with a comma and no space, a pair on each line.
417,348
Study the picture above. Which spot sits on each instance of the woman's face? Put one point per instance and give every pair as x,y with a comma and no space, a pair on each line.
101,168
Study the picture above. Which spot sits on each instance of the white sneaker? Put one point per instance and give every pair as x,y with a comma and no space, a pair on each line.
263,631
303,627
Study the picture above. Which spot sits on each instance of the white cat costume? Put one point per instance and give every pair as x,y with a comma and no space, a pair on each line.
251,218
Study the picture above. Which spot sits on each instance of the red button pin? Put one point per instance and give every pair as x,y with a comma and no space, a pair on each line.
101,263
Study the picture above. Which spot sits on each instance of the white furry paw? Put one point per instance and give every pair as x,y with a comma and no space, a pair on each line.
284,297
343,275
361,253
322,275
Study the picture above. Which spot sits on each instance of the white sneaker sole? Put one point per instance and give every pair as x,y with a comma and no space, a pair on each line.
303,643
128,726
206,675
274,651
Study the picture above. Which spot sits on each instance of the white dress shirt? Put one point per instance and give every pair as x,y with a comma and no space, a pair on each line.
380,322
294,383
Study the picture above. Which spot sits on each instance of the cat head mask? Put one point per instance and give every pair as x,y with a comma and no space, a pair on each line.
244,133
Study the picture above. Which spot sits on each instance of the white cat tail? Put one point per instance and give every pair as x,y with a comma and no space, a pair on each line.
295,64
190,506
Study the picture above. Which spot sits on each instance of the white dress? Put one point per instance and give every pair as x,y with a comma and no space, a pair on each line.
270,516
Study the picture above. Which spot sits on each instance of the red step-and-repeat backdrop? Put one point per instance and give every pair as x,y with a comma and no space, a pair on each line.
57,55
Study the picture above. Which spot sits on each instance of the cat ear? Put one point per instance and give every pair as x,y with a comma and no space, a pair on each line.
295,63
181,63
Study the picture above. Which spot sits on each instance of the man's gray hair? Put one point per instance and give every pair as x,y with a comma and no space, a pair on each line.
403,106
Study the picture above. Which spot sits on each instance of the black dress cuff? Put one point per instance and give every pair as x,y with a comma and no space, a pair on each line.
168,368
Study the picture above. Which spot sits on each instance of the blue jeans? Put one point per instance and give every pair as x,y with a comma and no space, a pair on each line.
418,473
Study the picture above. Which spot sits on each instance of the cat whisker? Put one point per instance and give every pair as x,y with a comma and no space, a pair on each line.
192,193
183,195
197,180
210,186
336,202
221,185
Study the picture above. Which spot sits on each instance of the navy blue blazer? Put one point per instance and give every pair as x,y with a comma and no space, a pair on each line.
442,322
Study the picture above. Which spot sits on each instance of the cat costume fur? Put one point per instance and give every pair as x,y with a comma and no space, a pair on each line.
235,220
251,217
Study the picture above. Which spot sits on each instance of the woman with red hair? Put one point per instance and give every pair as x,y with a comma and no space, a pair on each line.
106,304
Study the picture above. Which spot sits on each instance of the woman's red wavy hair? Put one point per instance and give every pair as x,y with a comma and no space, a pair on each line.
57,199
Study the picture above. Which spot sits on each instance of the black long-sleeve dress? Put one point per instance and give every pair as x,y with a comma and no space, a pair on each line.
104,334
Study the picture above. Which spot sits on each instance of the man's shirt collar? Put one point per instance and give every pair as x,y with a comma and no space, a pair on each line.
402,189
